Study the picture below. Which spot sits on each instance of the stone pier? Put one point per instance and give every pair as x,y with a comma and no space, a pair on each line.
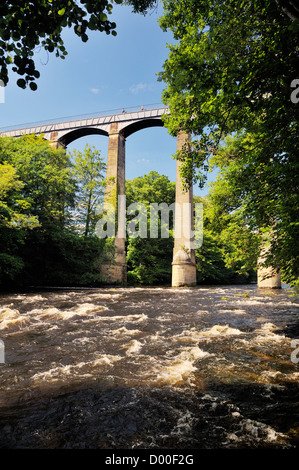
115,187
183,264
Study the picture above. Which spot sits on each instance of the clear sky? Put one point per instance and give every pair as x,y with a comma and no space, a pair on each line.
103,74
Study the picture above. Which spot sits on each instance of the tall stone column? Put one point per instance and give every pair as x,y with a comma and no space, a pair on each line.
115,187
183,264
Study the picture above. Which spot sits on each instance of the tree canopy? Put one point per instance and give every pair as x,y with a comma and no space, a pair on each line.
89,172
37,196
229,251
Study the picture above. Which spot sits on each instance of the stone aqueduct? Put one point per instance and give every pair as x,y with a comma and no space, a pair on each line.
117,126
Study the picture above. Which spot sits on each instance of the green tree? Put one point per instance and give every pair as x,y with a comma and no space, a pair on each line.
229,250
150,188
35,185
37,196
290,8
149,261
230,73
89,170
25,26
233,63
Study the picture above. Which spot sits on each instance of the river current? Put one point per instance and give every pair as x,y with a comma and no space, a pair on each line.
150,368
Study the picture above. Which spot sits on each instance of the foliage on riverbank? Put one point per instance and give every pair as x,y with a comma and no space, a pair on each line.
231,80
40,243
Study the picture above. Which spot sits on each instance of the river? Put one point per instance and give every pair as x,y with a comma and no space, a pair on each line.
150,368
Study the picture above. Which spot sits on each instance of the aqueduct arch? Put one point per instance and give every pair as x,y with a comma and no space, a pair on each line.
183,265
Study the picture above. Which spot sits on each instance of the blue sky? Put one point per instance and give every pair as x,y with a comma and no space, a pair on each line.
105,73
